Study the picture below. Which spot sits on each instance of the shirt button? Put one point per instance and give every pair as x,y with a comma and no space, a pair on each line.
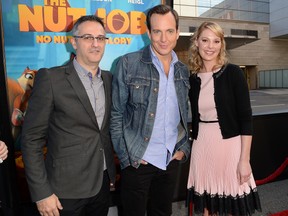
146,139
151,115
155,89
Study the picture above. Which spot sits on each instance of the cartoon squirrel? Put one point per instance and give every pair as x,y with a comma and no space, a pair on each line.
18,93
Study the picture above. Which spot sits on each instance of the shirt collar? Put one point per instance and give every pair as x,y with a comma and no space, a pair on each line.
82,71
154,56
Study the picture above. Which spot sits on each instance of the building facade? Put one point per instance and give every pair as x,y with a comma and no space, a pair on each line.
256,34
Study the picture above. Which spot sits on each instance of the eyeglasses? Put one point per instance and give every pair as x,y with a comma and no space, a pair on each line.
91,38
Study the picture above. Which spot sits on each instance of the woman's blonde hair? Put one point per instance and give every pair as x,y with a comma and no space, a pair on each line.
195,61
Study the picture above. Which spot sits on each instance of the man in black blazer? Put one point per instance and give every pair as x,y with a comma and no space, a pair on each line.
69,112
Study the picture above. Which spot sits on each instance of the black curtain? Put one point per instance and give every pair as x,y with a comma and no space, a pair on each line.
9,201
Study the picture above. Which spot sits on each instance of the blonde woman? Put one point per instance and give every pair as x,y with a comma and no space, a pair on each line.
3,151
220,178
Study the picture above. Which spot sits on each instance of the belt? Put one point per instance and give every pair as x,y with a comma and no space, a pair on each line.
214,121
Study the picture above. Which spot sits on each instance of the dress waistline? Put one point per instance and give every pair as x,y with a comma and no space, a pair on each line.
214,121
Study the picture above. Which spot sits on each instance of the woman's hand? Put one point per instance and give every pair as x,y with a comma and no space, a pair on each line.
3,151
244,171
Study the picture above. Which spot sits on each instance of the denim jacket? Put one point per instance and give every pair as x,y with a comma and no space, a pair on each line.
134,97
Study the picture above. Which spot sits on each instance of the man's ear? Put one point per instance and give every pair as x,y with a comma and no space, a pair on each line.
72,56
148,33
73,42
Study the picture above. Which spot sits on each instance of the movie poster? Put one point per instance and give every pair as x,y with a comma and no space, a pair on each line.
37,34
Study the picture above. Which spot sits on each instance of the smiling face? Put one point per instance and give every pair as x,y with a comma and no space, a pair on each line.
163,34
89,53
209,46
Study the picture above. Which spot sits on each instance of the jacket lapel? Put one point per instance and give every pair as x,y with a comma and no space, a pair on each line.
107,88
80,91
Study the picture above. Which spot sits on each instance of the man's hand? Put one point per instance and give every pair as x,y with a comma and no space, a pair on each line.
143,162
49,206
179,155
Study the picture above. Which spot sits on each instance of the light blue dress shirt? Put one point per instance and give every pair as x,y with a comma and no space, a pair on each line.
164,135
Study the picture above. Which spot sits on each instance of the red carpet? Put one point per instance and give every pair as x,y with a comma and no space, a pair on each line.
274,175
283,213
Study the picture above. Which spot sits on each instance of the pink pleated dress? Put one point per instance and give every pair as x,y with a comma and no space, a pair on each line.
212,181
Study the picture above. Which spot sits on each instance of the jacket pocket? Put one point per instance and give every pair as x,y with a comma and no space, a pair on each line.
137,89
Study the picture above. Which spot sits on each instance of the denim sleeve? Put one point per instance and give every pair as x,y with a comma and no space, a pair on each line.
186,149
119,100
185,145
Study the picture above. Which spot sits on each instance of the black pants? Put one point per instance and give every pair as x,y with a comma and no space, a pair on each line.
97,205
148,189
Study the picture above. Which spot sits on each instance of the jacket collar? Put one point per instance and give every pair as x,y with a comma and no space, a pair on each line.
146,57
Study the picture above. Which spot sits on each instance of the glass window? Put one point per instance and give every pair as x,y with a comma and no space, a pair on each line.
245,10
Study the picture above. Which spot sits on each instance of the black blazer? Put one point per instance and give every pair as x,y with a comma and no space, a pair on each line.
60,115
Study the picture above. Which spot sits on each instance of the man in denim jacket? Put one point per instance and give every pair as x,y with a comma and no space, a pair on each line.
149,118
